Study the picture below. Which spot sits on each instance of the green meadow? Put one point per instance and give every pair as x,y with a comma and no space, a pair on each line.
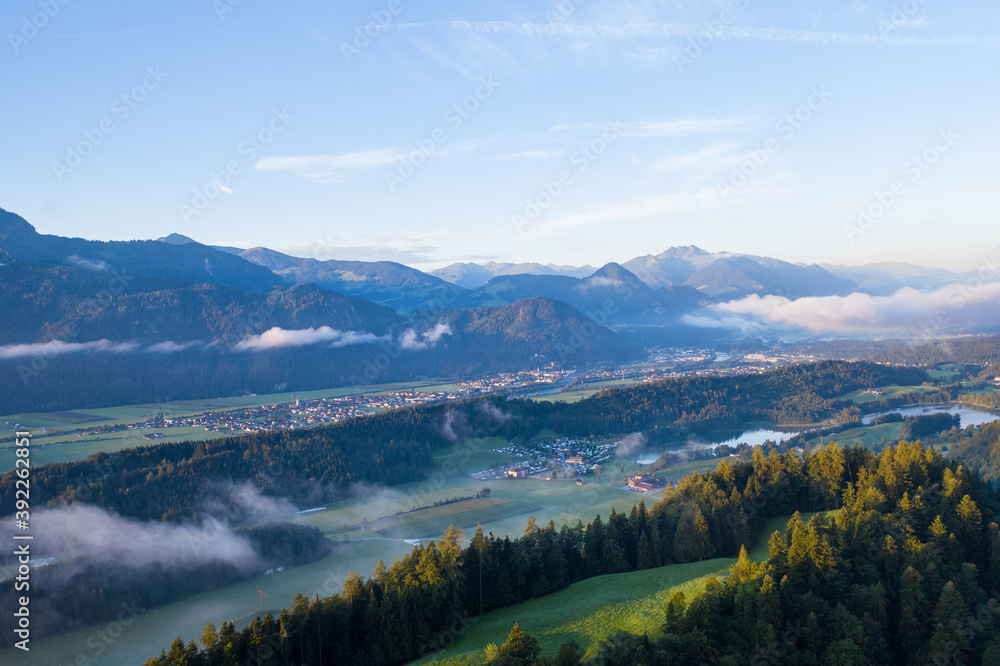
586,612
589,611
892,391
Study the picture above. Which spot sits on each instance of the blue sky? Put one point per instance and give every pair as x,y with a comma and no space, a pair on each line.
574,132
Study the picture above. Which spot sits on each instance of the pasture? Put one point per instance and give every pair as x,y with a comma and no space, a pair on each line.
586,612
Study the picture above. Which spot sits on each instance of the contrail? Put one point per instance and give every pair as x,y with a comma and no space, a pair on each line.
632,30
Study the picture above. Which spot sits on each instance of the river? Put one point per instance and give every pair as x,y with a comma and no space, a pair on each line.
970,415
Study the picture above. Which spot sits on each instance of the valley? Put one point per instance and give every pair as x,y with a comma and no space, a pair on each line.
383,523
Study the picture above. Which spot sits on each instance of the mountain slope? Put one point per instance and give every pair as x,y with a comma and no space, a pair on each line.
612,294
384,282
188,262
75,305
888,277
472,276
671,267
738,276
549,329
153,339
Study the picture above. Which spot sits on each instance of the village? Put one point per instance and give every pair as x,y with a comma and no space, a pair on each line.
305,413
568,459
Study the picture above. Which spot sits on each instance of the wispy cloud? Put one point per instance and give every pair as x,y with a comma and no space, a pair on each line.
714,155
316,166
169,347
954,307
337,168
87,264
277,338
676,128
599,215
411,340
58,347
660,30
367,248
527,155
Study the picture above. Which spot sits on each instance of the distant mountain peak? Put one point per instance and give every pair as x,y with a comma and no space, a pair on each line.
684,252
617,274
176,239
12,224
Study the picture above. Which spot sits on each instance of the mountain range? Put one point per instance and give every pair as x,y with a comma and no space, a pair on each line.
102,323
145,317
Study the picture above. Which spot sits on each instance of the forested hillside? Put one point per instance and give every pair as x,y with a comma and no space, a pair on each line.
902,574
975,351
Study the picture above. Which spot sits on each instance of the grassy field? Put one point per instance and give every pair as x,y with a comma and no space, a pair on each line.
474,455
586,390
586,612
892,391
681,470
566,396
505,512
946,371
589,611
433,521
62,448
863,436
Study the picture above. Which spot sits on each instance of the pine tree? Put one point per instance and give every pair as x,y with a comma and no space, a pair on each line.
912,625
993,572
777,549
209,637
645,558
569,654
614,558
949,644
703,539
743,568
593,541
676,606
520,648
972,528
683,538
938,531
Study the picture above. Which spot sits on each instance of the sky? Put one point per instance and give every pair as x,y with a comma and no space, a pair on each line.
573,132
